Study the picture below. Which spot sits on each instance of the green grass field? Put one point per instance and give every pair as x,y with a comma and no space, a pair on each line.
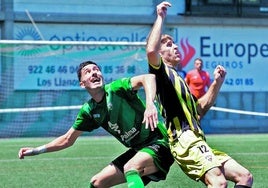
74,166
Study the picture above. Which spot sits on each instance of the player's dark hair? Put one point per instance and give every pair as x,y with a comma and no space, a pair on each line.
82,65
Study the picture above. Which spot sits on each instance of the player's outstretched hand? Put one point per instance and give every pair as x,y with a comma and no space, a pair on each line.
25,152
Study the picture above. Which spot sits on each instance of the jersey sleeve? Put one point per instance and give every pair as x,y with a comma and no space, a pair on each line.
84,120
123,88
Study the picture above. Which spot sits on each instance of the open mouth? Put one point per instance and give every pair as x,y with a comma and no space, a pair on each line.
96,80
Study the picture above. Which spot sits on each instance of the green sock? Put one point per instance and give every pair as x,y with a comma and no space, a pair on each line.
133,179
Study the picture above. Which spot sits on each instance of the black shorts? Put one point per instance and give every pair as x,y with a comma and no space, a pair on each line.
162,159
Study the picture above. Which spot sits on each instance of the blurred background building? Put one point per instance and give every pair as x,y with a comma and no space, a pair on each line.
232,33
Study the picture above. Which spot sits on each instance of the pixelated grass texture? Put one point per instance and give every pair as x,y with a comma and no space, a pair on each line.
74,166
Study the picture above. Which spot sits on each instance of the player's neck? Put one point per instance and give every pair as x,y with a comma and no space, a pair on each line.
97,95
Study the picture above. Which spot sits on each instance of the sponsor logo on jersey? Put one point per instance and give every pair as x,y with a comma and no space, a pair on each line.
129,134
114,127
96,115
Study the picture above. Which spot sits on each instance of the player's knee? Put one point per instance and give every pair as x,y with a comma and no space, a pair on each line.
93,181
96,182
223,183
219,183
91,185
129,166
245,178
249,179
215,179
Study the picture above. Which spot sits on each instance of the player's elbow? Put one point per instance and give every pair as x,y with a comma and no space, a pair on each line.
202,107
153,58
66,141
150,52
150,77
69,142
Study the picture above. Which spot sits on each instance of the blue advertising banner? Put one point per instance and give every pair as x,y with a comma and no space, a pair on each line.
243,51
53,67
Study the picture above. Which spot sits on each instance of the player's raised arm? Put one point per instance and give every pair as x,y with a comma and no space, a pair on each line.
147,81
59,143
153,41
206,101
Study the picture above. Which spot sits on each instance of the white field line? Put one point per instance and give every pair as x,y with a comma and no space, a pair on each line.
99,157
53,159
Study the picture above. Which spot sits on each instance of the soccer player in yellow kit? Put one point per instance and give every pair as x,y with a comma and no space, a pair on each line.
182,110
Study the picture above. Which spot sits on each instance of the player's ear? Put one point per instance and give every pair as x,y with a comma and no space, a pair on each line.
82,85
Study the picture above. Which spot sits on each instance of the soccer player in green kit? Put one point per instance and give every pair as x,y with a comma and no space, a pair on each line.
118,109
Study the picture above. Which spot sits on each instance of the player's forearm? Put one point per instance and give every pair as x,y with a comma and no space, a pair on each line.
153,41
59,143
56,145
64,141
147,81
149,86
208,100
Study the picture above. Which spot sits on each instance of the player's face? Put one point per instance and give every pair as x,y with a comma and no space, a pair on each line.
170,52
91,77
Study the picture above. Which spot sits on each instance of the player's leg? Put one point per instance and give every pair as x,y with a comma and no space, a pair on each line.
151,163
107,177
197,159
235,172
214,178
113,174
141,162
140,165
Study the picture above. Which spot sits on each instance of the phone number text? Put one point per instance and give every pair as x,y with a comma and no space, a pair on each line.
239,81
51,69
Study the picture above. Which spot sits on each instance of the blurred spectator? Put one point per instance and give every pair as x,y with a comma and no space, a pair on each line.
198,79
